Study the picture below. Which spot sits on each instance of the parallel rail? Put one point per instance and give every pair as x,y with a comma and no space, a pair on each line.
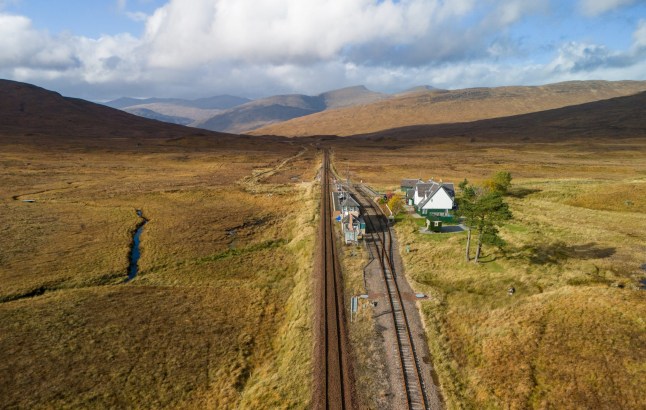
336,392
411,370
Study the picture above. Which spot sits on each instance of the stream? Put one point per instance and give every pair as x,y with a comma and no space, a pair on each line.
133,267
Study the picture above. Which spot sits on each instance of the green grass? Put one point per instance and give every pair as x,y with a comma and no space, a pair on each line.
515,228
412,225
493,266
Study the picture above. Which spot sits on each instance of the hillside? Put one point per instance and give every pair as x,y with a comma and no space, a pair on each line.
442,106
154,115
350,96
176,114
611,119
28,110
418,89
281,108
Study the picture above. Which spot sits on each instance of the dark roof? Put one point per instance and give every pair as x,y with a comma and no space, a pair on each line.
410,182
335,201
347,200
424,188
449,188
431,187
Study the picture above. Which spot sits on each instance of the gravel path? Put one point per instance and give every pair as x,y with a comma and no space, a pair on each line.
415,322
377,292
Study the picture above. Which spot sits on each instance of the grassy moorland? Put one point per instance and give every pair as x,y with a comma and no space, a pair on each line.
573,335
219,315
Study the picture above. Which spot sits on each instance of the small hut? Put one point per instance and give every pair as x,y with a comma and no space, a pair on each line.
433,225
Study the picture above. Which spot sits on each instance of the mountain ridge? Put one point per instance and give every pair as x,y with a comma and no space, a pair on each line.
450,106
279,108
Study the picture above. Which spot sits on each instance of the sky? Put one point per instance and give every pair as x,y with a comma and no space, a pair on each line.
105,49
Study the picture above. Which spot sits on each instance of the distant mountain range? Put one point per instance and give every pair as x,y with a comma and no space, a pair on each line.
177,110
276,109
238,115
154,115
220,102
422,105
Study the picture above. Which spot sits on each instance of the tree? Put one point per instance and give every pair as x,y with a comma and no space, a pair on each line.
396,204
483,210
499,182
490,212
466,210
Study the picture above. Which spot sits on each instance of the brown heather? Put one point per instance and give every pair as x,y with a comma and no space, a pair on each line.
213,319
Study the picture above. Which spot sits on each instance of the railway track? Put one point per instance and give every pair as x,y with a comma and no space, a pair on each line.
381,241
333,358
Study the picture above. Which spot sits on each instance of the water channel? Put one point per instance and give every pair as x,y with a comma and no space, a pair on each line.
133,267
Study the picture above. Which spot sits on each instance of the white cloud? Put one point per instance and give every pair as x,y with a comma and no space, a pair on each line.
109,59
575,56
264,47
259,31
287,39
18,40
509,12
137,16
597,7
23,46
409,32
28,54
